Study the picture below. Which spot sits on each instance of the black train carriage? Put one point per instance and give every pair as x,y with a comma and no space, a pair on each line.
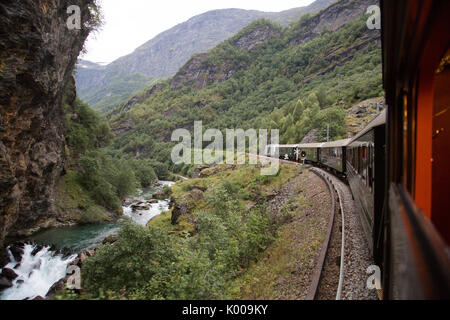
311,150
333,155
366,175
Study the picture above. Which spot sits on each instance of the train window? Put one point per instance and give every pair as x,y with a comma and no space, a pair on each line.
364,163
440,149
359,161
371,167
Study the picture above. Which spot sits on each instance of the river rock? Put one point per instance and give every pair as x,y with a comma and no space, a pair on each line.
5,283
112,238
152,201
138,207
57,286
36,250
75,262
39,298
4,259
90,252
128,201
17,251
9,274
82,257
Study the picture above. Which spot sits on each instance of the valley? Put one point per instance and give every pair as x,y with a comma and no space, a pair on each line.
85,151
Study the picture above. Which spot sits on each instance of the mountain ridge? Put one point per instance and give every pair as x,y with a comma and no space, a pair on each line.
162,56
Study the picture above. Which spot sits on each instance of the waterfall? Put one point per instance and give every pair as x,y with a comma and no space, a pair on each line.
36,273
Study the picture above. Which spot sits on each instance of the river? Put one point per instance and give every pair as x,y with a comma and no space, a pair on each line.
37,272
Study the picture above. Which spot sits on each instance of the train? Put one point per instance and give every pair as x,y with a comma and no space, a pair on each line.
398,167
361,162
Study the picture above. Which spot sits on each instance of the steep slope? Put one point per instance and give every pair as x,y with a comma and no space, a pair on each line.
162,56
263,77
37,56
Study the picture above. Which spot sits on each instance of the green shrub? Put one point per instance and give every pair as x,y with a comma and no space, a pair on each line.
141,258
93,214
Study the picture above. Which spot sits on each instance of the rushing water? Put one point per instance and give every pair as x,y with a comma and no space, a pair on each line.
142,217
38,272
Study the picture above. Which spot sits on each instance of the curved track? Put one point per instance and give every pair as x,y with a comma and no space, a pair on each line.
341,269
354,256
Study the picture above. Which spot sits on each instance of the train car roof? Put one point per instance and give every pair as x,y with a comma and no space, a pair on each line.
337,143
332,144
283,145
310,145
378,121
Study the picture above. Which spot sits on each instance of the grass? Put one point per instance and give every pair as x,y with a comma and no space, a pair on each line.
246,178
276,274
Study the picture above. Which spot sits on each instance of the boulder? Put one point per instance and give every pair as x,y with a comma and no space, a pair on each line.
183,206
82,257
5,283
36,250
57,286
140,207
197,170
9,274
75,262
112,238
160,195
17,251
4,259
90,252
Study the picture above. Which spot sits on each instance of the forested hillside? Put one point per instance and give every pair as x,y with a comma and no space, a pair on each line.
295,80
103,87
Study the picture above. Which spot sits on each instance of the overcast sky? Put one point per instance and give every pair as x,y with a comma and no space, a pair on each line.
131,23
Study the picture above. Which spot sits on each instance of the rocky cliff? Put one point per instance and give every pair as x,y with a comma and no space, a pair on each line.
330,19
37,56
217,65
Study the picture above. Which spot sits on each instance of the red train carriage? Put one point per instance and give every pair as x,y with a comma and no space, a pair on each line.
416,56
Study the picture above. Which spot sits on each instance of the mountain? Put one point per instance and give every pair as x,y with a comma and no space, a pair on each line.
265,77
162,56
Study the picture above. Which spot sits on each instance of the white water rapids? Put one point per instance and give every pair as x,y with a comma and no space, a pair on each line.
142,217
36,274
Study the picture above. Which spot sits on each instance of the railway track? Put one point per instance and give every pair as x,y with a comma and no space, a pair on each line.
343,274
340,272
